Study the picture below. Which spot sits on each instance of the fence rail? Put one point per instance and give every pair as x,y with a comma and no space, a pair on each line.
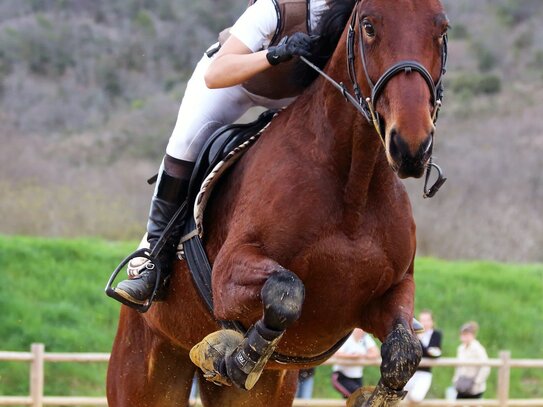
37,357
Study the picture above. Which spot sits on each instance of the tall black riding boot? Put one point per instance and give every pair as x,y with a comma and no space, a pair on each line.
170,193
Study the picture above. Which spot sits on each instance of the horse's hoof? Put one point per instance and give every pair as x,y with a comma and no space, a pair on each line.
360,396
210,353
379,396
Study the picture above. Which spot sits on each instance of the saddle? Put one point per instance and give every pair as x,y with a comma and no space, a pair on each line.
225,146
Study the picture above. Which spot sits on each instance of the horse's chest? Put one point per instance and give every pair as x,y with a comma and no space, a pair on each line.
366,263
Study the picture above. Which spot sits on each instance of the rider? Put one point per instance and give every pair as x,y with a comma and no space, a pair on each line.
250,66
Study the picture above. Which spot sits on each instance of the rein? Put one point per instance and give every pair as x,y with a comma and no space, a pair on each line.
366,105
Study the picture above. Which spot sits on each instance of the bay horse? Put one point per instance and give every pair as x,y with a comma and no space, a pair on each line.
310,235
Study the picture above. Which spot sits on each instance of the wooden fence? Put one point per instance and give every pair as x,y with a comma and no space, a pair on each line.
37,358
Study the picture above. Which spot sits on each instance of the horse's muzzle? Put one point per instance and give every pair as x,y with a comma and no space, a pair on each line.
407,163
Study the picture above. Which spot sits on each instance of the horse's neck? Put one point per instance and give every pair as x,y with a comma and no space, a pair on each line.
354,147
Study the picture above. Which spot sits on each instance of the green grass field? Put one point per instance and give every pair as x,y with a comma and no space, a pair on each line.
52,292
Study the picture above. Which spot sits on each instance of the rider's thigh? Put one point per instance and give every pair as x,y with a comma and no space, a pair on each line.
203,111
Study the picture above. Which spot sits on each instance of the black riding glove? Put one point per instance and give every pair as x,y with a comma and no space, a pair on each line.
297,44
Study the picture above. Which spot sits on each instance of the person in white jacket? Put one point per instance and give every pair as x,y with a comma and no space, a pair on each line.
470,381
360,345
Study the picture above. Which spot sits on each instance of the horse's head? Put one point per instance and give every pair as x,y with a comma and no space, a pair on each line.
402,47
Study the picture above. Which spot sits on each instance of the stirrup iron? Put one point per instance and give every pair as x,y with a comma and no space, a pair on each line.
152,264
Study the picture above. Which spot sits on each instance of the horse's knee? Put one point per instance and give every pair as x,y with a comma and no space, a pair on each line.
282,297
401,353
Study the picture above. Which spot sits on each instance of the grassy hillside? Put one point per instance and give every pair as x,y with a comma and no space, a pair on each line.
90,90
52,292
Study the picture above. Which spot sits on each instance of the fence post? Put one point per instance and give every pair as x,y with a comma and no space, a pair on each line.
37,374
504,378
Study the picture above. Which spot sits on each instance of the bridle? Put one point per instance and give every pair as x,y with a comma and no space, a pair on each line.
366,105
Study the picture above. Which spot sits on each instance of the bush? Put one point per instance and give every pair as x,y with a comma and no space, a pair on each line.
538,60
133,57
6,64
489,84
524,40
109,78
486,60
145,22
477,84
517,11
45,48
458,32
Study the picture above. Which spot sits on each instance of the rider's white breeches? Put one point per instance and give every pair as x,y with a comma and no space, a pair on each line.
204,110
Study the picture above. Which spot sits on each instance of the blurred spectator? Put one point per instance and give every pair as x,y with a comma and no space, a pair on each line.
418,386
470,381
360,345
194,387
306,377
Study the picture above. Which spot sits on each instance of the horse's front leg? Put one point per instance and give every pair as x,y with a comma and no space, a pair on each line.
390,319
225,356
282,297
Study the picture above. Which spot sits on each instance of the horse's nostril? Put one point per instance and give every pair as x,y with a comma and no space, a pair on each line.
393,134
398,147
393,147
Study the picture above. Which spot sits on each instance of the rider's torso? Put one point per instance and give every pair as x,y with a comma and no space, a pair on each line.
290,16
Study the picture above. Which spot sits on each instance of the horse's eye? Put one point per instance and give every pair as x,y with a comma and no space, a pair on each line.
368,27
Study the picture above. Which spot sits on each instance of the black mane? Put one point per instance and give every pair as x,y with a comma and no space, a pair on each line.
329,30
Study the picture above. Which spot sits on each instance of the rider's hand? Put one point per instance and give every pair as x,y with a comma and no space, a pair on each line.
297,44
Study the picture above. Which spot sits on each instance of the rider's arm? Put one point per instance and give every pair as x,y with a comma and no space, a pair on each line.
243,56
234,64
